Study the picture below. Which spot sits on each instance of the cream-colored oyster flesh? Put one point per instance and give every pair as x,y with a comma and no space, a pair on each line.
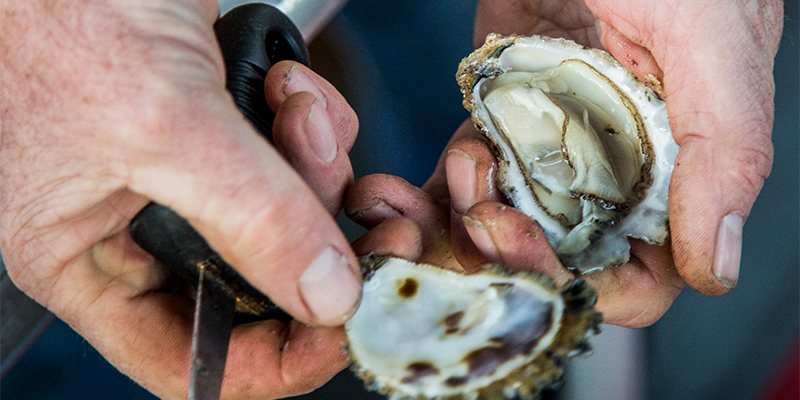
584,147
422,332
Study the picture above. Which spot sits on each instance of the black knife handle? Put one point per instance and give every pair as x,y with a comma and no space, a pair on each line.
252,37
172,241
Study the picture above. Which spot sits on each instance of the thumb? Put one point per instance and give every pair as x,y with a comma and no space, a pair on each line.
713,188
213,169
720,104
721,109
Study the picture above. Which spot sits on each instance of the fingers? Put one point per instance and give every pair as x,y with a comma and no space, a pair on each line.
279,360
288,77
260,216
436,185
721,115
464,175
506,235
314,129
254,210
149,338
720,106
633,56
648,285
471,170
376,198
633,295
303,133
399,237
721,111
707,214
639,292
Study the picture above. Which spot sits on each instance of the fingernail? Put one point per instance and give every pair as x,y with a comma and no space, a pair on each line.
319,132
297,81
330,288
480,236
463,189
380,211
728,252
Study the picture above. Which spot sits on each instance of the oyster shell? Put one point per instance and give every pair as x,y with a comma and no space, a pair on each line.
584,147
423,332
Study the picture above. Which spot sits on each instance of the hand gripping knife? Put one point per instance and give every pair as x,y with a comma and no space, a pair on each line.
252,37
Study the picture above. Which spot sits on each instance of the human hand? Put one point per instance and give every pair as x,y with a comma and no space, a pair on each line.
714,62
720,104
464,225
109,105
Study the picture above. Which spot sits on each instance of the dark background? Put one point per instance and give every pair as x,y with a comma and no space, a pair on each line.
395,62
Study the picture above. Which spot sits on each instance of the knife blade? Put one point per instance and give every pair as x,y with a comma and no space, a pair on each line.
211,332
252,38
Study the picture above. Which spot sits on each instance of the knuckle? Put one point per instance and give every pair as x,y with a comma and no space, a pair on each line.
752,165
346,125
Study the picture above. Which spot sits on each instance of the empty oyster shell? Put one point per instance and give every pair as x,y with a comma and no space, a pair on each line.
423,332
584,147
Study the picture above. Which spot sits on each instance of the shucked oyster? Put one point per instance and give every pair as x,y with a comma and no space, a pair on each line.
584,147
423,332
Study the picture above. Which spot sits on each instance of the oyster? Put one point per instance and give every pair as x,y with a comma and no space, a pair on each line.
423,332
584,147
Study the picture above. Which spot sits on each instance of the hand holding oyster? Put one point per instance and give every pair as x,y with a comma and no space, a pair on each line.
600,165
578,154
723,122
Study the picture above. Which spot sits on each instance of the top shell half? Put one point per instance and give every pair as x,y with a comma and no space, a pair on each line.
584,147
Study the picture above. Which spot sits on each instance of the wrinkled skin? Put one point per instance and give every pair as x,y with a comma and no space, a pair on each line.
107,105
714,62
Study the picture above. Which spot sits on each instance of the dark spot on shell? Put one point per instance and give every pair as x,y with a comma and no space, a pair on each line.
408,289
519,341
485,361
456,381
451,322
419,370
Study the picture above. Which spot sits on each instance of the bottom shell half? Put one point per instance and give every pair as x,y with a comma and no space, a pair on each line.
423,332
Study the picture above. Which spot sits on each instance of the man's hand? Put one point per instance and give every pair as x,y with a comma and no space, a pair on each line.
464,225
109,105
714,61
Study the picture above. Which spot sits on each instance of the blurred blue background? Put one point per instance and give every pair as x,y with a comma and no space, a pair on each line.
395,61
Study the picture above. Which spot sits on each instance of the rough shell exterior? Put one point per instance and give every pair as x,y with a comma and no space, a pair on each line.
490,372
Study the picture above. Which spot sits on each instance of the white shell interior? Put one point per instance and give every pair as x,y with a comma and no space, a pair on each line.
558,65
427,331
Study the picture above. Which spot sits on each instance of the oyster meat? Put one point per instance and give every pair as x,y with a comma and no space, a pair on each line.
584,147
423,332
